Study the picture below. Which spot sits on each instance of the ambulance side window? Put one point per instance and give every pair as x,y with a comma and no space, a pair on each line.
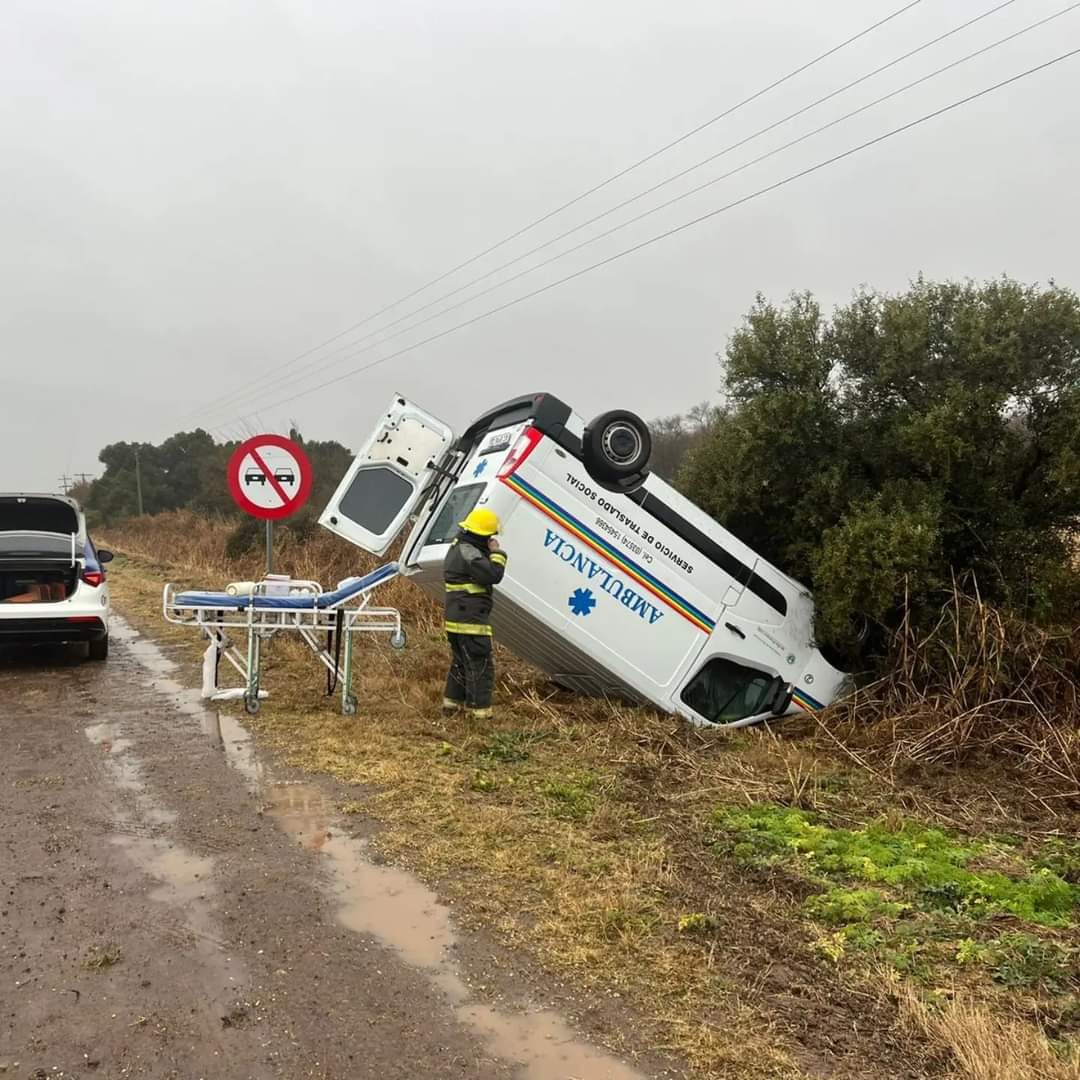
454,511
723,691
375,497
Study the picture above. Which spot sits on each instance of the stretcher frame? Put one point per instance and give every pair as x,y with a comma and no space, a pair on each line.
216,615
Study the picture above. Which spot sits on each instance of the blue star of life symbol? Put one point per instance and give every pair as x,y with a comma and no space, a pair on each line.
479,468
582,602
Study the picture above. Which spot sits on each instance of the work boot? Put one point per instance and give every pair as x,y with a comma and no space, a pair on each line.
481,714
451,707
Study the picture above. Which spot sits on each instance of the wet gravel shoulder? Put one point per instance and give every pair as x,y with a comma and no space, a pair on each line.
168,908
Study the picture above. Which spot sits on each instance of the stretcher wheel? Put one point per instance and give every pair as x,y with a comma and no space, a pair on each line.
348,706
252,705
398,640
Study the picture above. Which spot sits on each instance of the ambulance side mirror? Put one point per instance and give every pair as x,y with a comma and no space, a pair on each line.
627,485
780,696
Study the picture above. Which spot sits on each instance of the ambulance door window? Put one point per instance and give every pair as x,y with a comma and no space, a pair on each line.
724,691
375,497
454,511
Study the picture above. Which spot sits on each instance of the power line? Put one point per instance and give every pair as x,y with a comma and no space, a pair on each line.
291,378
604,183
691,223
299,377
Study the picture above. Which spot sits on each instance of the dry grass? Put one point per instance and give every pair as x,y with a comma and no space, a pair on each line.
985,1046
527,826
980,684
580,832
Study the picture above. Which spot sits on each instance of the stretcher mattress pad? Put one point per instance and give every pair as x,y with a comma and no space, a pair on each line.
224,602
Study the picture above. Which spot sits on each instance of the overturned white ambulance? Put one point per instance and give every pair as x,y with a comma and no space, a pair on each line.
616,584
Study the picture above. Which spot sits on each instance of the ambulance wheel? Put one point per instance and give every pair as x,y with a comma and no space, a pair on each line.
252,705
398,640
616,445
348,706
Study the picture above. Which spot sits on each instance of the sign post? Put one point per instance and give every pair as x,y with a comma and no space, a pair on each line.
269,478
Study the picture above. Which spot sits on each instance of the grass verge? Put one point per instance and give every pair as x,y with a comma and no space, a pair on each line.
611,845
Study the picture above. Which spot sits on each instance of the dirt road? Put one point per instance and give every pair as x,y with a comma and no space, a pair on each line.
171,905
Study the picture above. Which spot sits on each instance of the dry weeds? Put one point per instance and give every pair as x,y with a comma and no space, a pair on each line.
984,1046
980,684
579,831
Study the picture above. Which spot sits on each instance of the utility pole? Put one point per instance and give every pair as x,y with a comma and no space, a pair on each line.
138,482
65,483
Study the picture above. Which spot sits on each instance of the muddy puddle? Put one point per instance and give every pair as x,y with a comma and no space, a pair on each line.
374,900
184,880
120,763
223,731
398,910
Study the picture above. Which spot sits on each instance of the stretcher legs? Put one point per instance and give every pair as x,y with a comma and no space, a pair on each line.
312,626
254,669
348,699
249,664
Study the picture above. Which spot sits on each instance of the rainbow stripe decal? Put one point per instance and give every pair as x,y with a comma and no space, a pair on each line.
805,701
599,544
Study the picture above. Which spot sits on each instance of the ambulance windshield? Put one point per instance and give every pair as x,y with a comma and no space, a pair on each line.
723,691
461,501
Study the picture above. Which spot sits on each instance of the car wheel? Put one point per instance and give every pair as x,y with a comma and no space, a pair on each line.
616,445
99,648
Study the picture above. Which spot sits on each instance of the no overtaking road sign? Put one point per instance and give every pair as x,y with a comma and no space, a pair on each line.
269,477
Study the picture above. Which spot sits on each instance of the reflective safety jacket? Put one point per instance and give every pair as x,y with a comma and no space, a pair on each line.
470,571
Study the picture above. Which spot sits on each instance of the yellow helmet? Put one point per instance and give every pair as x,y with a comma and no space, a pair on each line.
481,522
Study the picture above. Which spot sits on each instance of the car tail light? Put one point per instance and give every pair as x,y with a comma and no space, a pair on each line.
94,578
84,619
525,445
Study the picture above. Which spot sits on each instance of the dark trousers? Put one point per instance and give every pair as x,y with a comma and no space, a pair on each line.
472,670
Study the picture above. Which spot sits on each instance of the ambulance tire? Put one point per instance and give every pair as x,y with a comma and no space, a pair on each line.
616,445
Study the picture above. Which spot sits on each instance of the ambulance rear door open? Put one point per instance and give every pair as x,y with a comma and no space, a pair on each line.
405,464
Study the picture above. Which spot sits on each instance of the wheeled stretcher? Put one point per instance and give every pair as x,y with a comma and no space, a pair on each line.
324,621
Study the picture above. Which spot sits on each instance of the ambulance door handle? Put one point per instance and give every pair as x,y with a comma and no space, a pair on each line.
735,630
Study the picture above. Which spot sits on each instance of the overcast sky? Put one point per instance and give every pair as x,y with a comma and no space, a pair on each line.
194,193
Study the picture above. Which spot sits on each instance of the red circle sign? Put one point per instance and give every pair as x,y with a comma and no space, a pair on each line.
269,477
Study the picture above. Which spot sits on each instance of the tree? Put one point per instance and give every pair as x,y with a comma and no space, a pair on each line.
329,463
908,439
673,437
187,471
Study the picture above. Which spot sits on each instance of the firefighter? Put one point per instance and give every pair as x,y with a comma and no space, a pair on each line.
473,566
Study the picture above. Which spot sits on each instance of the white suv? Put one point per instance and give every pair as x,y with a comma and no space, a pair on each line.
52,578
